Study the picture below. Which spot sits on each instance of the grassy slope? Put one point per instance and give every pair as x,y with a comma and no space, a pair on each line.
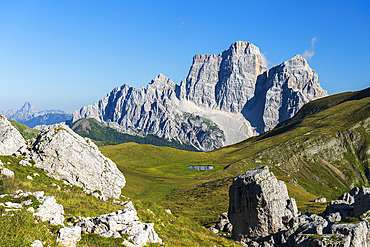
21,230
161,174
25,131
158,177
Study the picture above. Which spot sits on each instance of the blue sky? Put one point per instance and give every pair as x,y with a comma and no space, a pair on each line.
67,54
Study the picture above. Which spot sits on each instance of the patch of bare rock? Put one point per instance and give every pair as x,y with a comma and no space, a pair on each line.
262,214
120,222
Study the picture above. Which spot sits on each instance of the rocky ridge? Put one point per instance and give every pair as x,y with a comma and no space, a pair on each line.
259,212
225,98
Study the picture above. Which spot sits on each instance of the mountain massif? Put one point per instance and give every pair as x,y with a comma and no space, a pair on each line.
225,99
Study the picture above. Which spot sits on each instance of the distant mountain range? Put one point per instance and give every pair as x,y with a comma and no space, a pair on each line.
225,99
31,116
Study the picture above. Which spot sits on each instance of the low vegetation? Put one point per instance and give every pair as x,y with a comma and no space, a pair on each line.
21,229
25,131
104,135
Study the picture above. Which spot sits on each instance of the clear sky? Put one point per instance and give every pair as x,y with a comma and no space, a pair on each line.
68,54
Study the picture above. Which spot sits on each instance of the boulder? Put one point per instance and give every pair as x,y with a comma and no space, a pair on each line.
25,163
320,200
69,236
141,234
223,225
37,243
66,155
50,211
120,222
339,206
10,138
257,212
7,173
259,205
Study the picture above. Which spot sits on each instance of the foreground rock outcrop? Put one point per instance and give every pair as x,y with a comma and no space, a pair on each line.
10,138
121,222
225,99
259,205
66,155
262,214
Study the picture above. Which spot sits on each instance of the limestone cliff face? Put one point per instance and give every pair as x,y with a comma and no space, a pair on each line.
226,81
289,85
225,99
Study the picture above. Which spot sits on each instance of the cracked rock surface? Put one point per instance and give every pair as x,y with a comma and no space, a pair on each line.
60,151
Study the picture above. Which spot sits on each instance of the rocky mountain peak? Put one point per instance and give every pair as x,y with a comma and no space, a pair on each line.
161,81
244,47
28,108
296,62
231,90
31,116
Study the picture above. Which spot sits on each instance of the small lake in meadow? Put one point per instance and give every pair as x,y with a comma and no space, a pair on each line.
202,168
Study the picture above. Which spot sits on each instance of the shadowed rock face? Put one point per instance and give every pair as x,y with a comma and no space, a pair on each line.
259,205
231,94
66,155
10,138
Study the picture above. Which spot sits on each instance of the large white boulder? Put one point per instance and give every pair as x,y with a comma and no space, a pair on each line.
10,138
66,155
50,211
69,236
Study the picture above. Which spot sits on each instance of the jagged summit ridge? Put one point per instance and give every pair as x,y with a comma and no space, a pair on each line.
225,99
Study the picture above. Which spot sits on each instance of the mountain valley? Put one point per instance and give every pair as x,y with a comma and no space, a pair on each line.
121,170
